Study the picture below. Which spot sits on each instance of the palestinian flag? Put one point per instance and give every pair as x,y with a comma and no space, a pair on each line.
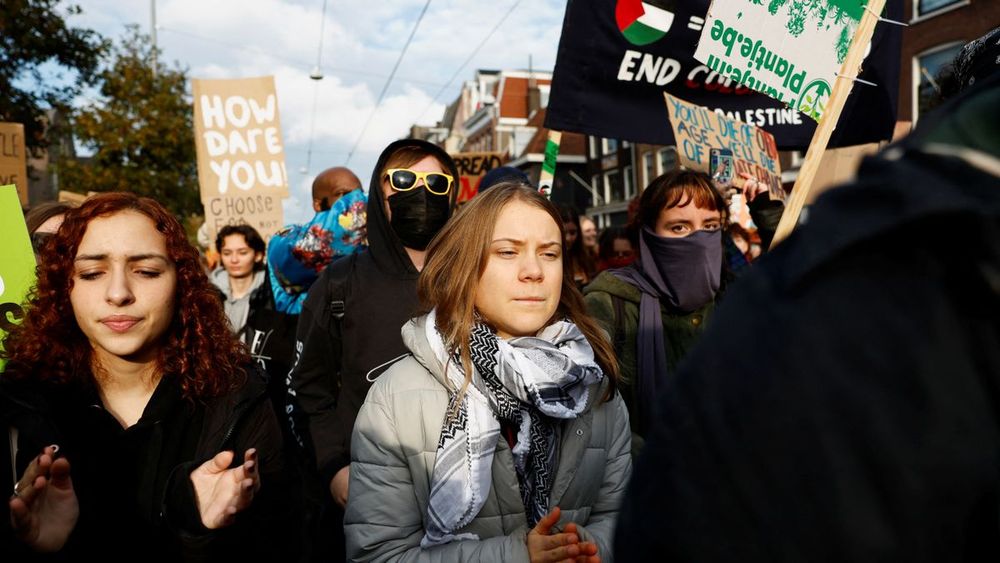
641,22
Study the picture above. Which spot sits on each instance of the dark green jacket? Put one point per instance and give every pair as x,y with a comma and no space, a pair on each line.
680,332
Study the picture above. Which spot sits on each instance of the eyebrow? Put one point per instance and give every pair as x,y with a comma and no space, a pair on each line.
133,258
521,242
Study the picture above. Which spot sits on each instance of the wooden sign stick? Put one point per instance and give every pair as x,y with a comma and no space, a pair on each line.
828,122
547,176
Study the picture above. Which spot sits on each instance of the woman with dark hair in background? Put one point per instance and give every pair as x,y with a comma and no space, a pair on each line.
656,308
615,249
577,261
139,428
500,437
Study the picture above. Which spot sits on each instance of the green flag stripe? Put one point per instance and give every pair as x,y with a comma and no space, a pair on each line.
641,34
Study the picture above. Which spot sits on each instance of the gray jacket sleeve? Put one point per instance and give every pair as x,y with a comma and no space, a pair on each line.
600,527
384,521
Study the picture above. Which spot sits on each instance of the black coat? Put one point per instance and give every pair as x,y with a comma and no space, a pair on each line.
340,357
136,498
844,405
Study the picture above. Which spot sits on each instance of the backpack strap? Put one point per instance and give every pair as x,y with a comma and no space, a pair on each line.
338,288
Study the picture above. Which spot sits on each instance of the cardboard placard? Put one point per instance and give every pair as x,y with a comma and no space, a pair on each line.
698,130
789,50
17,262
14,159
261,211
472,166
238,138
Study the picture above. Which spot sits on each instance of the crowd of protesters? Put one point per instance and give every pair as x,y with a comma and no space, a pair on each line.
405,379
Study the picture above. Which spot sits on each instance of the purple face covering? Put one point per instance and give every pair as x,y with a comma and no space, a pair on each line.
683,272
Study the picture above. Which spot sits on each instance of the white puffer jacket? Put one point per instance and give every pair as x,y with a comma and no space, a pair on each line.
392,462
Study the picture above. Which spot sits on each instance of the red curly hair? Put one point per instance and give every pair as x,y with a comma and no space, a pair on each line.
198,347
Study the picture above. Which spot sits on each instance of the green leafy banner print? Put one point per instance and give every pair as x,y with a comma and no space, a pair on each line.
790,50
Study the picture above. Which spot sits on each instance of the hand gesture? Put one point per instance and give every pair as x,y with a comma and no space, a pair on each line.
338,486
548,545
44,509
222,492
751,187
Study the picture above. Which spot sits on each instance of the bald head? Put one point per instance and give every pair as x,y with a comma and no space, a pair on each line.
330,185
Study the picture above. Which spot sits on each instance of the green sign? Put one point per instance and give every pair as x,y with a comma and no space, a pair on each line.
17,262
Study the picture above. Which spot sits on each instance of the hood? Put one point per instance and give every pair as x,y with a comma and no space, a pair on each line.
613,285
383,244
415,340
898,188
946,168
220,277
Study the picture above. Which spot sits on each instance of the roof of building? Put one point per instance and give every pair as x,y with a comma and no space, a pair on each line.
570,144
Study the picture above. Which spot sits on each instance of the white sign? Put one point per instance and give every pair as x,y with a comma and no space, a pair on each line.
790,50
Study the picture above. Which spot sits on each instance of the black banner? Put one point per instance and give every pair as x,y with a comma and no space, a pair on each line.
606,85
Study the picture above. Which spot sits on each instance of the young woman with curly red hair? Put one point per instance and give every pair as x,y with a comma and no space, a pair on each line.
163,443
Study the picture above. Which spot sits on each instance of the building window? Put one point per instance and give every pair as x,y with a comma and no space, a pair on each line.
925,7
629,183
592,141
667,160
926,74
648,168
609,146
614,187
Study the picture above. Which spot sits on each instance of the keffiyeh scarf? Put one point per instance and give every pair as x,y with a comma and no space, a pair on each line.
525,382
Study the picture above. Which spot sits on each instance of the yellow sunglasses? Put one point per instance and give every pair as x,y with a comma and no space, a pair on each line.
404,180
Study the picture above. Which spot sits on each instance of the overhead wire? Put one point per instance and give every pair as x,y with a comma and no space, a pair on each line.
467,60
388,81
291,61
316,75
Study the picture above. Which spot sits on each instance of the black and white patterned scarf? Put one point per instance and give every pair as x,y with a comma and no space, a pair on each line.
526,383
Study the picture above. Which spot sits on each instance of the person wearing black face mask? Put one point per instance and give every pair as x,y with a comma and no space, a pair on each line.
655,309
349,329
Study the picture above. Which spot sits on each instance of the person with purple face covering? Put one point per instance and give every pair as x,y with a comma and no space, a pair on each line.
655,309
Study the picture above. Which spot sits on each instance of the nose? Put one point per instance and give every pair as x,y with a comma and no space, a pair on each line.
119,290
531,268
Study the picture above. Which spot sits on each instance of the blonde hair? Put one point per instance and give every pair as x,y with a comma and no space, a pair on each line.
456,260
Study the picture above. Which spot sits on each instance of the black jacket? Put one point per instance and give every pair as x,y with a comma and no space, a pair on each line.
136,498
339,357
862,422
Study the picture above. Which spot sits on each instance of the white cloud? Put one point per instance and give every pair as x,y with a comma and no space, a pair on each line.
361,43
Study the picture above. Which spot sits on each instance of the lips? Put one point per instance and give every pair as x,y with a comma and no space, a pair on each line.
120,323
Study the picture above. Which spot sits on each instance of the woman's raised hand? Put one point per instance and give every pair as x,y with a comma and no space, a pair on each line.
222,492
44,509
546,545
752,187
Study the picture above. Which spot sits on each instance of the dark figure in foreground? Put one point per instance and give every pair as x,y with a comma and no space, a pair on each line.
865,425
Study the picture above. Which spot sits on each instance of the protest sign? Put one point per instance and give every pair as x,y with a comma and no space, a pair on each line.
17,262
13,159
790,51
616,58
471,168
261,211
238,138
699,130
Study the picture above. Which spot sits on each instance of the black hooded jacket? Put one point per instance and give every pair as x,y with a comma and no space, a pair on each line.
341,349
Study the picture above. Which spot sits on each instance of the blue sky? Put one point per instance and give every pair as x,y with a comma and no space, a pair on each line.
361,42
